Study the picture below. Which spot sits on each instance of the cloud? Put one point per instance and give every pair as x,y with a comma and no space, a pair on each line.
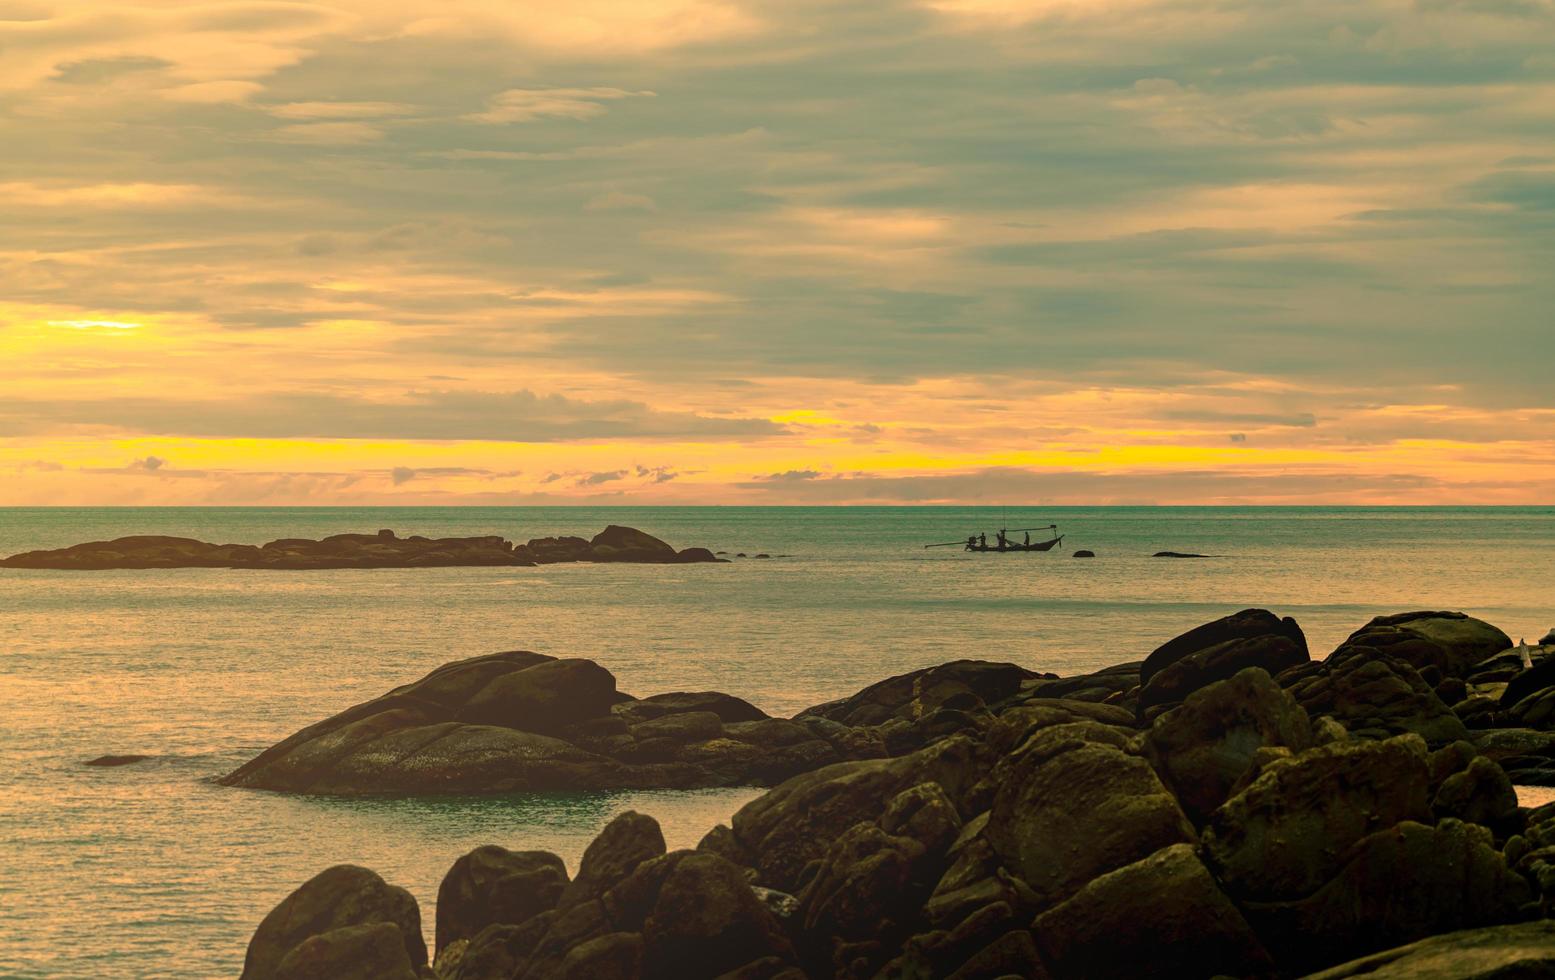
620,201
150,464
595,479
520,105
791,476
519,416
402,474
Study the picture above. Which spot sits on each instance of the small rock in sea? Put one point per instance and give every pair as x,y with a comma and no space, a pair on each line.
720,552
116,760
741,554
761,556
1177,554
1082,553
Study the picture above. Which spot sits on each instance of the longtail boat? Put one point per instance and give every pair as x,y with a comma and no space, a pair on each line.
1002,542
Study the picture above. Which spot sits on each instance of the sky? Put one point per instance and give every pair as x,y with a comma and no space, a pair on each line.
751,252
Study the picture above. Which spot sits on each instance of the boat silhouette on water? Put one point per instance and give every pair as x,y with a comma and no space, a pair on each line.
1003,543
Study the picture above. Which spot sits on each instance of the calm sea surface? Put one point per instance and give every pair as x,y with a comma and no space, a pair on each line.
151,871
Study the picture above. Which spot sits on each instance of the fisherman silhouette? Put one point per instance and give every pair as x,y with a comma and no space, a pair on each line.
1003,544
982,541
1028,539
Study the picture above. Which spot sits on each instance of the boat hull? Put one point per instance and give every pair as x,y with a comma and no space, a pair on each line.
1010,548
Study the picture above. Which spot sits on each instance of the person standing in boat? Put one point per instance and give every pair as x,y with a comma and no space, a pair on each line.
982,541
1028,539
1003,542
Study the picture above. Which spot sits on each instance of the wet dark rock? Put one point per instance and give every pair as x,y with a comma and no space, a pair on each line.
1246,625
913,695
1161,916
381,550
372,951
727,707
789,829
339,899
115,760
1074,784
1180,670
1083,553
494,886
1374,695
625,842
1451,642
1204,747
1288,832
1480,793
1178,554
1394,886
519,721
1503,952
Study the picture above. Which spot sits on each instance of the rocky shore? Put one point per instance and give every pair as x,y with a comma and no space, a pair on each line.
1226,806
382,550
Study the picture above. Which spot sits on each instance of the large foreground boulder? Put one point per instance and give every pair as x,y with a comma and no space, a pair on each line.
343,916
1072,804
1217,651
1203,748
1525,951
1161,916
492,885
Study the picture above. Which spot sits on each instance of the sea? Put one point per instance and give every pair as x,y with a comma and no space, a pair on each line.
152,870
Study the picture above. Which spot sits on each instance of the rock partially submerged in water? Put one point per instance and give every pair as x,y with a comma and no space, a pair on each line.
1036,826
382,550
520,721
110,761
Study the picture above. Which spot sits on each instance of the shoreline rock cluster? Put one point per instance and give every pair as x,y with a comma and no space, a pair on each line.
382,550
1227,806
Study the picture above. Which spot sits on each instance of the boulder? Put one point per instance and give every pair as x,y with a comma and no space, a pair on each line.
1394,886
914,695
336,899
727,707
371,951
618,543
1524,683
520,721
1083,553
1161,916
1481,793
624,843
1374,695
1245,625
1451,642
1289,831
1071,805
1204,747
706,922
545,698
790,828
111,761
1525,950
492,885
1216,651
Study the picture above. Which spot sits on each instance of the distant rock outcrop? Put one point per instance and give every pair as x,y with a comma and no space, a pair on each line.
382,550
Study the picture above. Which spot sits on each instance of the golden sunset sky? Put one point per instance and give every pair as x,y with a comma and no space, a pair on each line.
698,251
